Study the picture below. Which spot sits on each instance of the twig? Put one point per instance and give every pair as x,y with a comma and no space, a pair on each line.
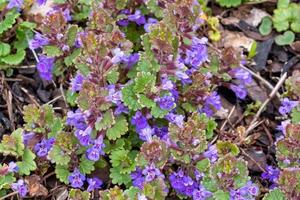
63,94
53,100
30,96
227,118
11,79
253,123
253,160
9,195
264,81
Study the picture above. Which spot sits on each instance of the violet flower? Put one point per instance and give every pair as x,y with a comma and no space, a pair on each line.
151,172
94,183
76,119
271,174
242,75
212,103
15,4
45,67
137,178
150,22
20,187
137,17
287,106
77,82
44,147
13,167
38,41
201,193
166,102
240,90
41,2
139,120
76,179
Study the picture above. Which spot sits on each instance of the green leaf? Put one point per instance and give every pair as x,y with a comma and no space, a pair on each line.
62,173
4,49
283,3
113,76
155,8
9,20
55,127
86,166
13,144
28,164
203,165
144,82
69,60
287,38
117,177
157,112
275,194
76,194
229,3
265,27
118,129
144,101
14,59
120,4
295,115
226,147
6,180
57,156
221,195
52,51
118,144
129,98
108,119
28,25
281,19
71,35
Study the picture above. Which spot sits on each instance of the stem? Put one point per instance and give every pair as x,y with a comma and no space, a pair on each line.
254,123
9,195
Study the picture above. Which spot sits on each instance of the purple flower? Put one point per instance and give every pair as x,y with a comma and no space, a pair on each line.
151,172
137,17
20,187
76,119
13,167
201,193
212,103
113,95
84,136
27,137
146,133
93,153
137,178
125,21
185,79
78,41
121,108
94,183
211,153
67,15
166,102
15,4
247,192
167,84
131,60
283,125
240,91
38,41
139,121
162,132
183,184
77,82
271,174
149,23
197,53
287,106
41,2
45,67
175,119
76,179
44,147
242,75
118,56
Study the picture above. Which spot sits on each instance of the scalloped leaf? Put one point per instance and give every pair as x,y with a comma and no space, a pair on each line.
28,164
76,194
71,35
286,38
117,177
108,119
229,3
14,59
62,173
129,98
6,180
13,144
275,194
4,49
86,166
52,51
9,21
113,76
144,82
118,129
57,156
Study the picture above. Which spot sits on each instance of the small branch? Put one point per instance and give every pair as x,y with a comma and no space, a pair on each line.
9,195
253,123
55,99
253,160
227,118
63,95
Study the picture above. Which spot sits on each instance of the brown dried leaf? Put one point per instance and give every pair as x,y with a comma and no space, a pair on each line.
255,17
256,92
236,39
34,187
